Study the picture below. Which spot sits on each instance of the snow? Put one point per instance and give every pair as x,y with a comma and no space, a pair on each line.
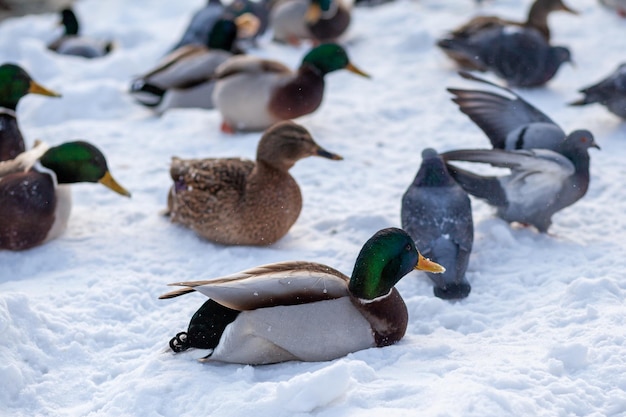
541,334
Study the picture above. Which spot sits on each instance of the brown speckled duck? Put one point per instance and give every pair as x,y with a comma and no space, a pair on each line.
35,204
253,93
15,83
537,19
241,202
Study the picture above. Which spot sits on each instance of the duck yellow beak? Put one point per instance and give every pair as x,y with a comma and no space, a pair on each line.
425,264
247,25
110,183
313,13
350,67
39,89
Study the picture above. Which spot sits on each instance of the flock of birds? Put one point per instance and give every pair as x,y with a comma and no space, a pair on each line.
262,315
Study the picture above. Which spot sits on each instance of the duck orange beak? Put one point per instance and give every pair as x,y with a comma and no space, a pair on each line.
313,13
350,67
36,88
425,264
109,182
247,25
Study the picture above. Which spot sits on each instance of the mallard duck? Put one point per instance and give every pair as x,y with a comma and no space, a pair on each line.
437,214
15,83
317,20
253,93
35,203
304,311
184,78
537,20
71,43
610,92
240,202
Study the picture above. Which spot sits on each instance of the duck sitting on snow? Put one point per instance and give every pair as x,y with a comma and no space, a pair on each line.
184,78
35,204
71,43
15,83
253,93
319,20
240,202
304,311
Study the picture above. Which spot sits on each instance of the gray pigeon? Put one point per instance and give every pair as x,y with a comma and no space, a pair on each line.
521,56
510,122
437,214
541,181
610,92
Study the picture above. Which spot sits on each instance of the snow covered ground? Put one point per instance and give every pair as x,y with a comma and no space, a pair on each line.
541,334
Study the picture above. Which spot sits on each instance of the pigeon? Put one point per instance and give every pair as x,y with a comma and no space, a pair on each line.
437,214
521,56
540,183
611,92
510,122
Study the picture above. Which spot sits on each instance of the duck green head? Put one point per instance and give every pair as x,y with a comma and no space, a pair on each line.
15,83
80,162
330,57
222,35
69,21
384,259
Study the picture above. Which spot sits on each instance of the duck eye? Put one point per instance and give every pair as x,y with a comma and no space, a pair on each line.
407,247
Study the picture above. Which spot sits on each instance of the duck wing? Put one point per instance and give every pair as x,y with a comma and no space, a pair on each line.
278,284
250,65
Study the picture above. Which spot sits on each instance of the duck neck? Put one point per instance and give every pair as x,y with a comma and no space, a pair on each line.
538,19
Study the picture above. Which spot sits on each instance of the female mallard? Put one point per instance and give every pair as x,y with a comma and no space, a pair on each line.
71,43
240,202
15,83
303,310
35,205
318,20
537,20
253,93
184,78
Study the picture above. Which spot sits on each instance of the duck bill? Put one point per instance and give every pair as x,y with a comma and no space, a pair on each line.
247,25
109,182
313,13
325,154
39,89
350,67
425,264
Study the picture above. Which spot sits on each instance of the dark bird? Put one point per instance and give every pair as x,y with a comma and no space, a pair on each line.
437,214
610,92
510,122
15,83
72,43
521,57
540,183
304,311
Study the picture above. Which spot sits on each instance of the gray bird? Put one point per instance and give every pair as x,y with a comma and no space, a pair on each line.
541,181
610,92
510,122
437,214
522,57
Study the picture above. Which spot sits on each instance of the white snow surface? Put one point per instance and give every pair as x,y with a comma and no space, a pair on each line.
542,333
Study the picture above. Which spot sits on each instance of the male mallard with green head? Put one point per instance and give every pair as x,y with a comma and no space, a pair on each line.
184,78
71,43
35,203
305,311
240,202
15,83
253,93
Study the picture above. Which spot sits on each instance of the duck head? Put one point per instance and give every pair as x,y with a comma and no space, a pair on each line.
80,161
330,57
15,83
384,259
